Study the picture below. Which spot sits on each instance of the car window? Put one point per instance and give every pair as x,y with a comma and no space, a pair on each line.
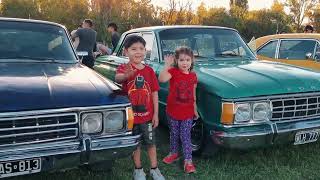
207,44
317,54
296,49
151,47
268,50
34,41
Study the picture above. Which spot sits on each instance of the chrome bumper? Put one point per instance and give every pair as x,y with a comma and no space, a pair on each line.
262,135
72,153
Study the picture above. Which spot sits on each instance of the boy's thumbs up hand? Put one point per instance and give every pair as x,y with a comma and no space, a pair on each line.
129,71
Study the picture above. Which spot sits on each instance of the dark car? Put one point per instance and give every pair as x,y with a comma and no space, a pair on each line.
54,112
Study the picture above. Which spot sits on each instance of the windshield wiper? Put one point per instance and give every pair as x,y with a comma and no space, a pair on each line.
234,55
204,57
31,58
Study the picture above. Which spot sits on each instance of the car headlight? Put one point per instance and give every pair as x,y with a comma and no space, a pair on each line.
243,113
261,111
91,123
114,121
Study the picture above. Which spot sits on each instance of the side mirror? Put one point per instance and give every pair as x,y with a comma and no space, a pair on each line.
309,55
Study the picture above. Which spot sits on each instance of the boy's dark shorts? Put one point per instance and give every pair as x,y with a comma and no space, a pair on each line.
148,135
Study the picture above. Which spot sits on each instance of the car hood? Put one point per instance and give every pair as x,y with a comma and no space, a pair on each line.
38,86
256,78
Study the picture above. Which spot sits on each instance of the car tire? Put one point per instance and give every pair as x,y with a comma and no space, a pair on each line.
201,142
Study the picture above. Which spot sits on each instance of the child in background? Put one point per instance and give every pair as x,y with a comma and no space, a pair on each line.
181,104
140,83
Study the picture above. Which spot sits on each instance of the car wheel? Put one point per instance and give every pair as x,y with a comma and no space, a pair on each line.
197,135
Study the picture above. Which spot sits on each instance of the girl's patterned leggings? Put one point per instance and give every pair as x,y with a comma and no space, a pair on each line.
181,130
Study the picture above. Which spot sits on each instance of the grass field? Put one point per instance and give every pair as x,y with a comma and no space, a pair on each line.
285,162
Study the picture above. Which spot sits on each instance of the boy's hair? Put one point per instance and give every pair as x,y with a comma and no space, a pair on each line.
186,51
113,25
131,39
89,21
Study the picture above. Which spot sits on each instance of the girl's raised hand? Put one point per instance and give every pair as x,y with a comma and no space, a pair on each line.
169,60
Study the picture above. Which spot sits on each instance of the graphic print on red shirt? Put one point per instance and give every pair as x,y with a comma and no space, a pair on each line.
139,89
180,102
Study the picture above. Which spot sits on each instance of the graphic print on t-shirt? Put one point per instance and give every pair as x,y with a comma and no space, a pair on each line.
139,94
184,92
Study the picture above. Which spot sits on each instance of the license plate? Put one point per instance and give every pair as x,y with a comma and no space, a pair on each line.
303,137
20,167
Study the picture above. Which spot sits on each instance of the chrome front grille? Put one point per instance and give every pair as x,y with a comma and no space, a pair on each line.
296,107
34,129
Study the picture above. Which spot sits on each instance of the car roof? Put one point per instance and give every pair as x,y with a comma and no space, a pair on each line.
30,21
159,28
262,40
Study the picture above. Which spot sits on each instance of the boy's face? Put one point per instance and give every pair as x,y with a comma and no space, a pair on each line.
110,29
135,52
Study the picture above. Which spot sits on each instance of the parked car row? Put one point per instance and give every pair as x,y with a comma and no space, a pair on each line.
56,113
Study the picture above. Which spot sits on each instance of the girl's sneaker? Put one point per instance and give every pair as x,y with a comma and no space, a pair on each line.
171,158
189,167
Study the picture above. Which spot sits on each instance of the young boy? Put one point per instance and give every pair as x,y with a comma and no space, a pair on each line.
140,83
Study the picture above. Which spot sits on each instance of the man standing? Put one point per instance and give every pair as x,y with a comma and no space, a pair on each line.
87,39
115,36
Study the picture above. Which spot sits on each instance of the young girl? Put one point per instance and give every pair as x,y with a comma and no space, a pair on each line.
181,104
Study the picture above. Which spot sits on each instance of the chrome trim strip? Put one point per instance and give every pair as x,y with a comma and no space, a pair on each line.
40,132
38,127
29,113
270,97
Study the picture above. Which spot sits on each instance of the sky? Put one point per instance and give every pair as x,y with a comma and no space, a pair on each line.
253,4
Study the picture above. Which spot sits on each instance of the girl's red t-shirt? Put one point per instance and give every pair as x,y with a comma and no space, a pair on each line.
180,103
139,89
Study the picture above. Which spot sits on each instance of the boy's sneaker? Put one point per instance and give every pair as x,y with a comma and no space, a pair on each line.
156,174
138,174
171,158
189,167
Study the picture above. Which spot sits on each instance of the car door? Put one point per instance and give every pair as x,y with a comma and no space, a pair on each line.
268,50
295,52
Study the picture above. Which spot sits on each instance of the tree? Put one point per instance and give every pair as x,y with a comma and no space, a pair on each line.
20,8
201,12
298,11
239,3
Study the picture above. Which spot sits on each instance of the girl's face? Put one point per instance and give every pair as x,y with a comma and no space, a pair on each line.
184,62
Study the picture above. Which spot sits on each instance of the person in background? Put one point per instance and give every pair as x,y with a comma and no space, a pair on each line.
308,29
115,36
76,39
87,39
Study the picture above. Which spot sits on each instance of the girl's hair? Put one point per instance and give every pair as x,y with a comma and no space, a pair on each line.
186,51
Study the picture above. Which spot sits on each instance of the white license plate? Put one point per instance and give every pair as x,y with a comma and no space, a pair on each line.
303,137
20,167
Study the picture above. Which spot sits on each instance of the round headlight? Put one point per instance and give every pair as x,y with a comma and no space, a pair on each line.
243,113
114,121
261,111
91,123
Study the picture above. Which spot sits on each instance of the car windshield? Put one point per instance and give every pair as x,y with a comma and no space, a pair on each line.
206,43
37,42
